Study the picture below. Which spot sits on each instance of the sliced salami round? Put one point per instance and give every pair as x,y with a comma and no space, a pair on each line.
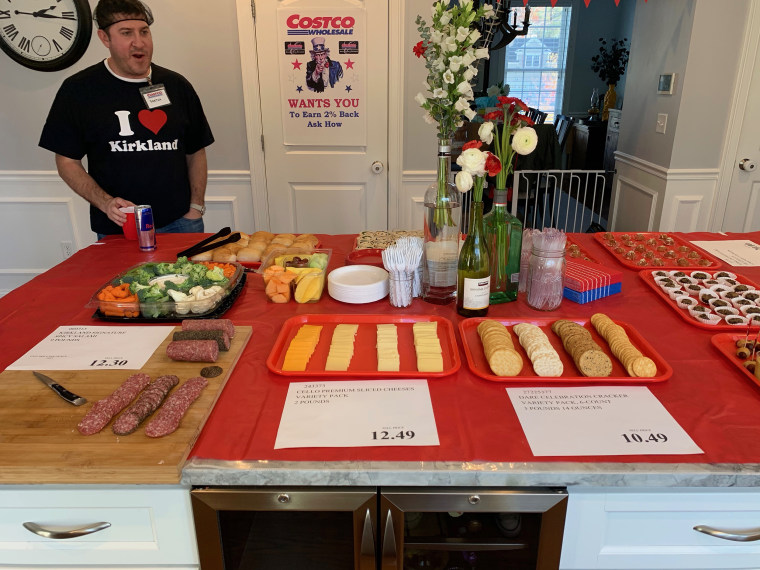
169,416
104,410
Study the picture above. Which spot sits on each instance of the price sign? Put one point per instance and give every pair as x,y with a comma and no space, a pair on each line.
357,414
109,363
599,420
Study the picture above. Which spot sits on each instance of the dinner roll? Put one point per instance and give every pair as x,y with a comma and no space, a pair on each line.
262,235
205,256
224,255
248,255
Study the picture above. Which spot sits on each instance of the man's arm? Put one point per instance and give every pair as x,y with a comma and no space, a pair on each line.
197,172
73,173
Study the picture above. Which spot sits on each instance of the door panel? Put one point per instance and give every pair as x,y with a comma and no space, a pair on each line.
320,138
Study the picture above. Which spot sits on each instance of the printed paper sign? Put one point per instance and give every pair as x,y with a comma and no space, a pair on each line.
599,420
94,348
357,414
737,252
323,76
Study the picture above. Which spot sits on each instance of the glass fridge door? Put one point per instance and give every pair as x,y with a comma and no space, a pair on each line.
469,529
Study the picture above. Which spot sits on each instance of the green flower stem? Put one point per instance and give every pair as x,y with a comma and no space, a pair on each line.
442,215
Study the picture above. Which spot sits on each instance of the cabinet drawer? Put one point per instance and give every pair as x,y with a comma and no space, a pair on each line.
622,529
149,526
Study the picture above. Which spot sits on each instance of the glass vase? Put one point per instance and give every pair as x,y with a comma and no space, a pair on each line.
473,287
504,238
610,98
441,249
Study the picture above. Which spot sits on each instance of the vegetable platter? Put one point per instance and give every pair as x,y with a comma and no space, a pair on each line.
169,291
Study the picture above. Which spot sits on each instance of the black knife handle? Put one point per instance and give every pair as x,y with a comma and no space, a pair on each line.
64,393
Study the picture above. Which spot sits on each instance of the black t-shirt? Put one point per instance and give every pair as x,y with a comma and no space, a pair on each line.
132,152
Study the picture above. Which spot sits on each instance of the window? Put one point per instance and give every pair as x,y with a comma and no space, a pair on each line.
535,64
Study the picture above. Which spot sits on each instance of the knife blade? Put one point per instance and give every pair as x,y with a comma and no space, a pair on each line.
70,397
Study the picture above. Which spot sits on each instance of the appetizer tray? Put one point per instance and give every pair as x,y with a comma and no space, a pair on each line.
478,364
726,345
700,301
575,251
168,310
367,256
655,250
364,361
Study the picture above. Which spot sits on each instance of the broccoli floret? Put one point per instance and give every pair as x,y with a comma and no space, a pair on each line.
183,287
164,268
141,274
216,274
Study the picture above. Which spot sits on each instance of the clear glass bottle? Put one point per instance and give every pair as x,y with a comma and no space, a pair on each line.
441,248
474,269
546,276
504,238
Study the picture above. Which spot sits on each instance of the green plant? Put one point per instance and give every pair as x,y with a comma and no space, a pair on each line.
611,60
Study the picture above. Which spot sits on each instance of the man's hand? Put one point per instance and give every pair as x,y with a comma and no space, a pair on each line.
111,210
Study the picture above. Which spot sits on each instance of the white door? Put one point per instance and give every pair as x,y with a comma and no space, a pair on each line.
742,212
323,74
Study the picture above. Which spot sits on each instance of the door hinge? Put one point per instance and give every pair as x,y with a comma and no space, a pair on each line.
253,9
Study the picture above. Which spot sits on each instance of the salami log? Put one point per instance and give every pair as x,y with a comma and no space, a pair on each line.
168,417
225,325
220,336
104,410
193,350
147,403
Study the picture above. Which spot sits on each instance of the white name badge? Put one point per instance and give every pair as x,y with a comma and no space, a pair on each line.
155,96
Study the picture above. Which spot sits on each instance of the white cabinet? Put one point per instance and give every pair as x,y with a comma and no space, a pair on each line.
654,529
150,526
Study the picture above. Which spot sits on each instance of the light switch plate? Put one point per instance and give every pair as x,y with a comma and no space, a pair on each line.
662,122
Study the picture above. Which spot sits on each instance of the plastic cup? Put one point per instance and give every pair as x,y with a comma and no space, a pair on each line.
129,227
400,291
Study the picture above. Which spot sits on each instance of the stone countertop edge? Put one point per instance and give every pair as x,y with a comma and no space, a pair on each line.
214,472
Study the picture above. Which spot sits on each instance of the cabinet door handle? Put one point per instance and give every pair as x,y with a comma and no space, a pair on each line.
737,535
389,544
61,534
367,548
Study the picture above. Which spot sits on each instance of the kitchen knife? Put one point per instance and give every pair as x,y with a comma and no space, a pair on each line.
70,397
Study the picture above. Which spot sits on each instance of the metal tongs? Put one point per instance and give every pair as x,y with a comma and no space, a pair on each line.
209,243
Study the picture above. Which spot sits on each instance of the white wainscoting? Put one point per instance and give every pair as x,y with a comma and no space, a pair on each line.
649,197
44,220
412,198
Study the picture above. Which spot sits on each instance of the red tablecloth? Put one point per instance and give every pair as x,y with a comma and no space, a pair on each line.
709,398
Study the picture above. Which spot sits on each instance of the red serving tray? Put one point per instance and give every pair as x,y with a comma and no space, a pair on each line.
648,278
726,345
583,253
364,362
477,362
368,256
693,264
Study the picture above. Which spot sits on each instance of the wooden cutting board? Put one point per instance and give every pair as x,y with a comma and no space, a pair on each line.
40,443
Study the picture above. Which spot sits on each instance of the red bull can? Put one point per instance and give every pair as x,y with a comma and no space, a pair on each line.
146,233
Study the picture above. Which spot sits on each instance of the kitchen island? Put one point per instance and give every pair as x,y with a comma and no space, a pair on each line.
481,441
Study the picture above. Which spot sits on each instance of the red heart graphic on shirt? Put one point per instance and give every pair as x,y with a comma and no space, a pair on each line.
152,120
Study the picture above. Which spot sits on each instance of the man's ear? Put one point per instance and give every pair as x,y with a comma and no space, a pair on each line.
103,35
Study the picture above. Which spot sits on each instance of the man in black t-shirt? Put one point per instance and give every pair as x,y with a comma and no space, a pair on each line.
141,126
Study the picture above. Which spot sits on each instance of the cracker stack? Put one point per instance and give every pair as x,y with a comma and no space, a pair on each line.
545,360
635,363
499,349
588,356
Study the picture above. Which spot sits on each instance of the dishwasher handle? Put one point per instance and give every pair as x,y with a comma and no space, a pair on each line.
735,535
63,534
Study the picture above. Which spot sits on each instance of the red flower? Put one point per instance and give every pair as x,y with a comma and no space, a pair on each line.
493,116
419,49
493,164
512,102
518,119
472,144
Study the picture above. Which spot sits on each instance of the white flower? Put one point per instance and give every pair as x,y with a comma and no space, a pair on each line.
450,44
439,93
462,33
429,119
493,91
464,181
474,36
420,98
461,104
469,73
469,113
445,18
488,11
524,140
448,77
485,132
481,53
436,37
459,124
469,57
465,89
439,65
455,62
473,160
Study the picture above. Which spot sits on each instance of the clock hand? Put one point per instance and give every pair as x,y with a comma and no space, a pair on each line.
38,15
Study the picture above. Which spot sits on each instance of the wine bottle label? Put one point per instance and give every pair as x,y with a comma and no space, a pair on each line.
515,277
476,293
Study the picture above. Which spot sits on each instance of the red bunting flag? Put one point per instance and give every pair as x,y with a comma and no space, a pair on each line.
554,3
525,2
587,2
617,2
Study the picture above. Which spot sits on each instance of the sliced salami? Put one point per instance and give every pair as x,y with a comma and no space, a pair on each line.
147,403
225,325
104,410
168,417
193,350
220,336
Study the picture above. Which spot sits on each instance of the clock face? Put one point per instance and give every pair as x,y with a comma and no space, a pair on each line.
46,35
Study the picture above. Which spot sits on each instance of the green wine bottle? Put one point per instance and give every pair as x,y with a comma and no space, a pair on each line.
474,268
504,238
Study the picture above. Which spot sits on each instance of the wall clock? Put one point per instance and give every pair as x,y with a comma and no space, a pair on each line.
45,35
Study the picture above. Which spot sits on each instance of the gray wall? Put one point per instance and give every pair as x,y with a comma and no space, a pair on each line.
193,37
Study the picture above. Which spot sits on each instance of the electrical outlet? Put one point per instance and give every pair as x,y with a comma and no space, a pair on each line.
662,122
67,248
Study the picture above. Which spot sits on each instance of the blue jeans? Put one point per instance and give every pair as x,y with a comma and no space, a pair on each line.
178,226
